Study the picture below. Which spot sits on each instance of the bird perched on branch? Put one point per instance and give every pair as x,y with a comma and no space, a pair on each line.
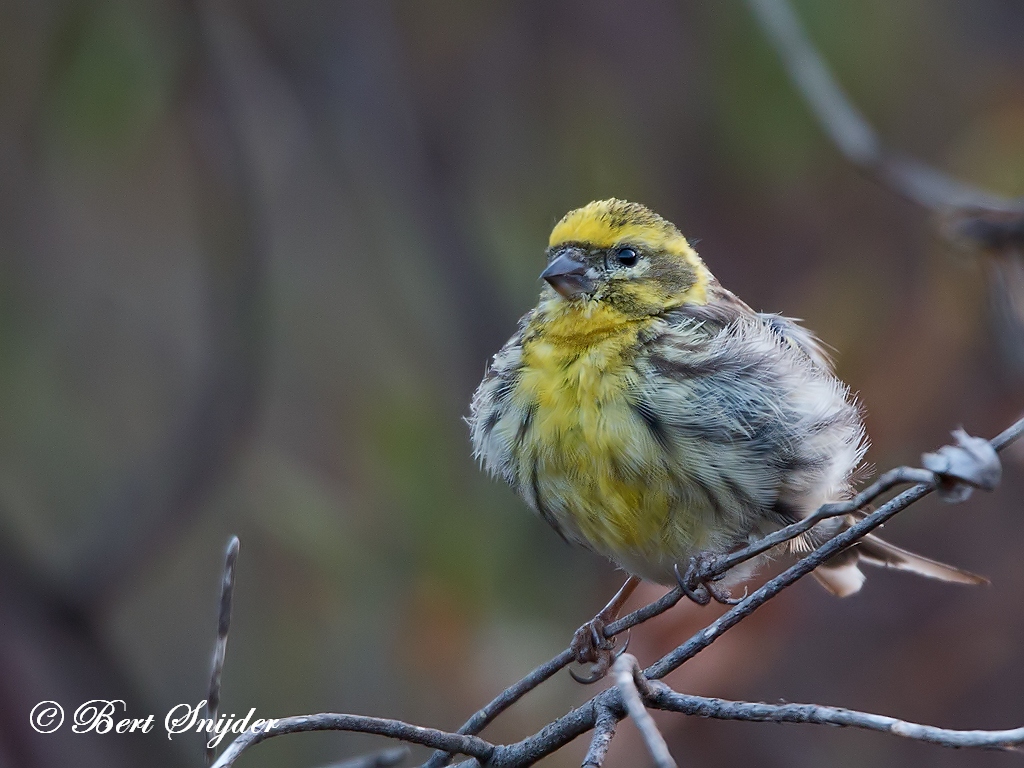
647,413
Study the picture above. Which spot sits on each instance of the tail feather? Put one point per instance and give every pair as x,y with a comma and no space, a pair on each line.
840,580
842,577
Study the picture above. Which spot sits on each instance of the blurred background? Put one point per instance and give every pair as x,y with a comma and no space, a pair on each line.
255,255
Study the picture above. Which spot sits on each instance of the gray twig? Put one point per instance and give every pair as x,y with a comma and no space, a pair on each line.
604,732
506,699
857,140
602,710
888,481
629,680
329,721
581,719
227,589
797,571
385,758
720,709
720,565
968,217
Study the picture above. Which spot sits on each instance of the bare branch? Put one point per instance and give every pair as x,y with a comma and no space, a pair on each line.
328,721
1008,435
604,732
720,565
483,717
855,137
663,697
581,719
888,481
801,568
386,758
227,590
634,687
629,680
649,611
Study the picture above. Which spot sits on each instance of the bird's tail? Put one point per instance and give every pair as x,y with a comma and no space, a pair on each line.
841,575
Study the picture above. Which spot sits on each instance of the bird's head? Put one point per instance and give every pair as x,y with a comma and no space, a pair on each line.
624,257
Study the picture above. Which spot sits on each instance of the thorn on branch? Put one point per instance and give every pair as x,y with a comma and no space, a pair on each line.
971,463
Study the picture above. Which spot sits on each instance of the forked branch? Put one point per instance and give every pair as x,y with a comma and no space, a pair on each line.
960,466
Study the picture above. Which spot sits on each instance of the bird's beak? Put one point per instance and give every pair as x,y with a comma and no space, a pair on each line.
568,277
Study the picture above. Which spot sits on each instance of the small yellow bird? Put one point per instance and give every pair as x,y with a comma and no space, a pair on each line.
648,414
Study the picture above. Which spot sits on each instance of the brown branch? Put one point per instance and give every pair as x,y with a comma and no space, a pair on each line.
169,483
969,217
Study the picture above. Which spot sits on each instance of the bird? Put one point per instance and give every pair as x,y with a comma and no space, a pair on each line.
650,415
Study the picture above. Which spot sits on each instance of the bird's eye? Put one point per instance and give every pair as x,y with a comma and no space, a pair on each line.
627,257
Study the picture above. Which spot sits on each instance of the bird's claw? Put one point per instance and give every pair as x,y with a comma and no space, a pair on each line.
591,646
701,587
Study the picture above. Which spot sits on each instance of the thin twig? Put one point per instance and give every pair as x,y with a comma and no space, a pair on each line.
1008,435
720,565
504,700
585,717
385,758
899,476
854,136
227,589
797,571
604,732
628,679
329,721
649,611
168,483
968,217
664,698
581,719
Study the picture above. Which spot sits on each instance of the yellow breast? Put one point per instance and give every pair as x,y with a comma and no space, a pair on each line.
595,466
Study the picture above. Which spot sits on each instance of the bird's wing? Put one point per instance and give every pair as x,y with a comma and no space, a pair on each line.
789,329
749,407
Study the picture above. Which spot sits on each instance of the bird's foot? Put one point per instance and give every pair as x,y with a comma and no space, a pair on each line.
700,585
590,644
